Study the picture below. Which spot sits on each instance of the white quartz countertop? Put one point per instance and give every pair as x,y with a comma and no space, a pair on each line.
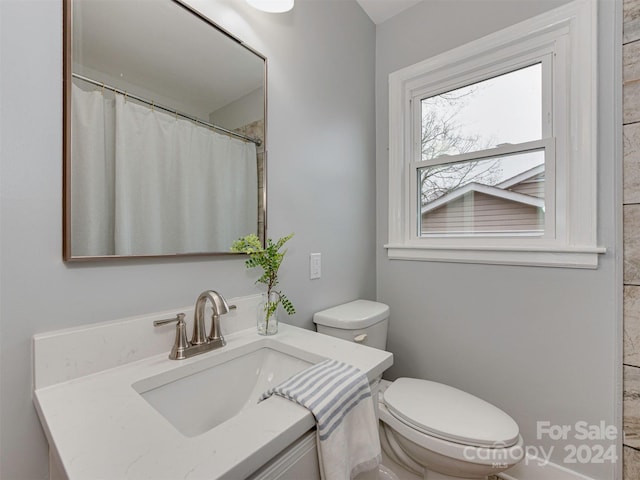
100,427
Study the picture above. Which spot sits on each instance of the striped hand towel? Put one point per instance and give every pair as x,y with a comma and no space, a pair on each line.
339,397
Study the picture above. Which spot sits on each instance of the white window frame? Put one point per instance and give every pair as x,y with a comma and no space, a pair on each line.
565,38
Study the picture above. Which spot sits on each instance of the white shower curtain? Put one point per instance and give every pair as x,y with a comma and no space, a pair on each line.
92,147
177,187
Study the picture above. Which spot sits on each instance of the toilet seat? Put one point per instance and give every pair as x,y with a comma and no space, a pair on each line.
450,414
487,456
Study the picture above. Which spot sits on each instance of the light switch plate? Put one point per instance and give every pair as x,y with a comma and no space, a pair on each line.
315,266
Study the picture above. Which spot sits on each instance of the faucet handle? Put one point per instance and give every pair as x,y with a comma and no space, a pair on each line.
181,343
178,317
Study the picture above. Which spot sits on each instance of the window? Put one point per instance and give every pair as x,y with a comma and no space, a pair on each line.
493,148
480,168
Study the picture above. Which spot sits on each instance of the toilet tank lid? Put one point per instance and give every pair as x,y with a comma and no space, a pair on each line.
353,315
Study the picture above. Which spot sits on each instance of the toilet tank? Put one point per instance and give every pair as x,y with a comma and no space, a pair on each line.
360,321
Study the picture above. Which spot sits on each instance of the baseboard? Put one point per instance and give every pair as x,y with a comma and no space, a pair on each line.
533,468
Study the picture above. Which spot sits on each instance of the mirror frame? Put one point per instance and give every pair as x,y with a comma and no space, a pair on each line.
67,80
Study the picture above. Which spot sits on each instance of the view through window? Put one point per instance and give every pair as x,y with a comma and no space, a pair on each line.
476,174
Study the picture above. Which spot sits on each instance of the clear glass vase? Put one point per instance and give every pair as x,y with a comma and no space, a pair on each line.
267,314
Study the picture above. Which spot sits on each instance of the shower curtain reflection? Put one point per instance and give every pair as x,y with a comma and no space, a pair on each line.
159,184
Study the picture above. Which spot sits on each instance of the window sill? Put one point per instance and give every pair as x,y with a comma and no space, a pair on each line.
565,257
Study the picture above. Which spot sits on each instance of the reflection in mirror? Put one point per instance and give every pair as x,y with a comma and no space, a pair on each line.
164,132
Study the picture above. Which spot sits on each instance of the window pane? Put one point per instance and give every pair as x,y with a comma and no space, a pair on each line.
503,109
496,195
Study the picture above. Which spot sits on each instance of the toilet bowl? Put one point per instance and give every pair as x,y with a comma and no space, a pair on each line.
432,430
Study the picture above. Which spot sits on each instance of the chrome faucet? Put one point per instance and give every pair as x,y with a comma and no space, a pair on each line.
200,342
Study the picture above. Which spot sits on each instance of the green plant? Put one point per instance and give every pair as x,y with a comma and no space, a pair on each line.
269,258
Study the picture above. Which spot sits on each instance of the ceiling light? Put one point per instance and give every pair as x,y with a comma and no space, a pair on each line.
272,6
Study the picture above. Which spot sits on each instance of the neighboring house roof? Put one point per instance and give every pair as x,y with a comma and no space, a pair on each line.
521,177
499,191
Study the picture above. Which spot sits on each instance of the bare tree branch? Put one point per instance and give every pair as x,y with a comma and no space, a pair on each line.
441,136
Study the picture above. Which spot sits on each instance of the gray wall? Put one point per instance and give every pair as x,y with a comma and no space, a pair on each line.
321,185
541,343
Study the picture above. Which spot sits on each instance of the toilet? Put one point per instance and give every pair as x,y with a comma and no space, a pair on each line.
429,429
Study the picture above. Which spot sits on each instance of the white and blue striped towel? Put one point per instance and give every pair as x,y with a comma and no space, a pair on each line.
339,397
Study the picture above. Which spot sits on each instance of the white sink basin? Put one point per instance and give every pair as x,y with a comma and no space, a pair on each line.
198,397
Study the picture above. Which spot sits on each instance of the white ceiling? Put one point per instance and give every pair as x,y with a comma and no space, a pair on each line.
381,10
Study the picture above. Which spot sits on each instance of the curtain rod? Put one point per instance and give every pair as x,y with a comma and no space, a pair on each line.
257,141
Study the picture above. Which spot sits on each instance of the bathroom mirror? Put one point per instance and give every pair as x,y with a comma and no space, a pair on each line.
164,132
